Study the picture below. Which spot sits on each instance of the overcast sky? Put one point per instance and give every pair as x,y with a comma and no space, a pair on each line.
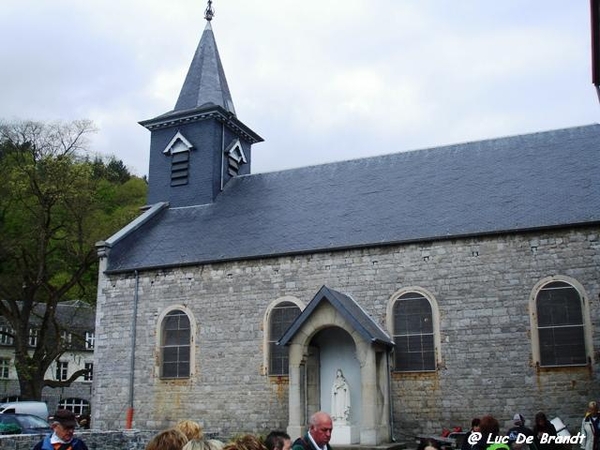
319,81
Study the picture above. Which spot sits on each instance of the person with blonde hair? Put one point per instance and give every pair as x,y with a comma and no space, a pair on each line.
590,428
192,430
216,444
245,442
171,439
199,444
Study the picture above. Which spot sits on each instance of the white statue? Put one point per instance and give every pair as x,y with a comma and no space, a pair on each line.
340,399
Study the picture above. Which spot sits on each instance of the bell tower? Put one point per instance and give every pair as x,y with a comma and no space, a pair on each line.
200,145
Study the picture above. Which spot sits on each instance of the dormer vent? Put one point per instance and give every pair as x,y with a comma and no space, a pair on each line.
235,158
179,150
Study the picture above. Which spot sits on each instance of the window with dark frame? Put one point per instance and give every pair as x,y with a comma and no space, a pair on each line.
62,370
90,340
6,335
76,405
413,334
4,368
280,319
560,325
176,345
89,375
33,337
66,339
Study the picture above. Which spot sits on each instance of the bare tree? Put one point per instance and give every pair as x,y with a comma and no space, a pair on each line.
51,215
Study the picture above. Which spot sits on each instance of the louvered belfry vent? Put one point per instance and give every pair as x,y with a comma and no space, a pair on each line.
235,158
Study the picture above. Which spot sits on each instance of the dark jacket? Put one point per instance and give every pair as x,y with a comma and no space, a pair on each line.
304,443
466,445
516,430
75,444
548,429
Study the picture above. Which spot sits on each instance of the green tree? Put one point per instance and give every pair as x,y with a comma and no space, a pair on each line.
55,204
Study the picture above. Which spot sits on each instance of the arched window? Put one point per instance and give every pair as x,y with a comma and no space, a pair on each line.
280,315
559,324
415,329
175,345
77,405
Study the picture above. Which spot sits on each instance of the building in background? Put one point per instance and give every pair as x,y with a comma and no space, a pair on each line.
78,319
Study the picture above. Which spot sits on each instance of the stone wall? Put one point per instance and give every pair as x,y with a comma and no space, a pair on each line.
95,440
482,288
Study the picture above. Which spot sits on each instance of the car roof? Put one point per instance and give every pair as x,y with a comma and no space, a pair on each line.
19,414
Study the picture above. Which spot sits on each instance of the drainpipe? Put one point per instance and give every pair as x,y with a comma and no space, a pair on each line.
129,418
391,399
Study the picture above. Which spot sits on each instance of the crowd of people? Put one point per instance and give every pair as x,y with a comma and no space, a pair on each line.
539,437
188,435
483,435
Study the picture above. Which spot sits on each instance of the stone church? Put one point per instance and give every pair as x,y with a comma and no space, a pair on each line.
440,284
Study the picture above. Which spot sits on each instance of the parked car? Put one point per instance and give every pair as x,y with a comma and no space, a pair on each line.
39,409
23,424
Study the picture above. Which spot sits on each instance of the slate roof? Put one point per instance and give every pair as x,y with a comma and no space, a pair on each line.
525,182
205,83
348,309
75,315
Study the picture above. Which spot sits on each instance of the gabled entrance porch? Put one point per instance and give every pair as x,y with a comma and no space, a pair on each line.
333,334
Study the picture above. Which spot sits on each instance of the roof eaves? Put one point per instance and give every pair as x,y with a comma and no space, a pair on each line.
104,246
304,315
279,254
182,116
204,112
383,337
358,324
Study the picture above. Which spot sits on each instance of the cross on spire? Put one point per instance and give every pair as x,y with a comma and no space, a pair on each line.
209,12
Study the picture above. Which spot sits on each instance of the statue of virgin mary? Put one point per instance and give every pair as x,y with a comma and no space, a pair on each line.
340,399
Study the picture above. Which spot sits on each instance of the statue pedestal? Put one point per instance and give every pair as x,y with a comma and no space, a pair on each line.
344,434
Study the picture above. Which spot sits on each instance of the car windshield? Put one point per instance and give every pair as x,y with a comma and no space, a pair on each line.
32,422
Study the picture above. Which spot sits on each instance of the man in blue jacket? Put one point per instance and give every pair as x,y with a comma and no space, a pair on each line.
63,424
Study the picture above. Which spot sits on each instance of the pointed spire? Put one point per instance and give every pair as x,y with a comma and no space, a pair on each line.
205,83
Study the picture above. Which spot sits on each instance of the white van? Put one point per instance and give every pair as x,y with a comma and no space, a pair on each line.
39,409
